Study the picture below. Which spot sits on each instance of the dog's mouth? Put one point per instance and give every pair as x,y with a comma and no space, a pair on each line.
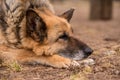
79,55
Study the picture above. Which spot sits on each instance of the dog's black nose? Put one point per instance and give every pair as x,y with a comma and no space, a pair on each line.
88,51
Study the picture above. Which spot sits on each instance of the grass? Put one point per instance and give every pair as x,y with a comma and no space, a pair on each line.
15,66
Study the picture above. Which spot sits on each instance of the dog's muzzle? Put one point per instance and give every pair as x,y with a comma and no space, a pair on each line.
77,54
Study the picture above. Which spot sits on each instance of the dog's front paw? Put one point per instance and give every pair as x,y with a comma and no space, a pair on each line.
66,64
42,51
61,62
74,63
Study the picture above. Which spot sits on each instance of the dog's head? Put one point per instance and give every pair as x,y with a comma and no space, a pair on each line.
55,33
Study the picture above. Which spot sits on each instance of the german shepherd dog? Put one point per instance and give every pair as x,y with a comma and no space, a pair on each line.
30,32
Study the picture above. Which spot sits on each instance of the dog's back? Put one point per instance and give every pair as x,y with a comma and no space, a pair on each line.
12,14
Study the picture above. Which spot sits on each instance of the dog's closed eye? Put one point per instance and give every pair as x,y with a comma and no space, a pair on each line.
64,37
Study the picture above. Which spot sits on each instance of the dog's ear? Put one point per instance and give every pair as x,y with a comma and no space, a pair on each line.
36,27
68,14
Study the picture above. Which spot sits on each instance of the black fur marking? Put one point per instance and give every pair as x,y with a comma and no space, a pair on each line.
18,27
16,7
36,28
68,14
3,23
8,8
17,23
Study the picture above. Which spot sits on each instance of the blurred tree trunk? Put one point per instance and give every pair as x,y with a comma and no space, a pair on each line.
56,0
101,9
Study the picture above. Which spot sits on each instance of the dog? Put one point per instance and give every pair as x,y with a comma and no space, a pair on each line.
31,32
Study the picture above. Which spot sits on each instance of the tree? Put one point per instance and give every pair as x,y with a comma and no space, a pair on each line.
101,9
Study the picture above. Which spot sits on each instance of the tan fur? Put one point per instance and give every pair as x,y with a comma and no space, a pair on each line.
53,31
39,36
28,57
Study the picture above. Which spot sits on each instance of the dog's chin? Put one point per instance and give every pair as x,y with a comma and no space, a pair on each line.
80,55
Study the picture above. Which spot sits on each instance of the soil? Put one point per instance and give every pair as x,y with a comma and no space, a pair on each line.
102,36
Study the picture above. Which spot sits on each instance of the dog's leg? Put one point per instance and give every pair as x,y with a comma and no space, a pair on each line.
54,60
29,57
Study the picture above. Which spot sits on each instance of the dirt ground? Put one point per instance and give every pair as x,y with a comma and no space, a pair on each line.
102,36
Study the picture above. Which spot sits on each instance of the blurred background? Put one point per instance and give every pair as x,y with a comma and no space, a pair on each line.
96,22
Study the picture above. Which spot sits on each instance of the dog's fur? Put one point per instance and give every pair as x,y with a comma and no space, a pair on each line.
35,34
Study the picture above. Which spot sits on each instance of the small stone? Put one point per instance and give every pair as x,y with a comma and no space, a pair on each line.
117,72
88,62
110,52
